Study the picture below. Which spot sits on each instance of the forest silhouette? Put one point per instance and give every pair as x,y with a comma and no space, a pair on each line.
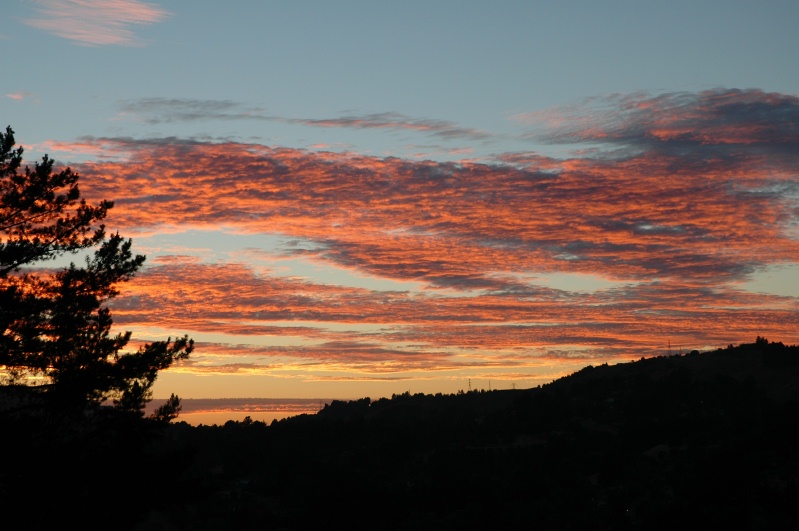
706,440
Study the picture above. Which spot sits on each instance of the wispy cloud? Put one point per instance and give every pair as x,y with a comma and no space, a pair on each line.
397,121
19,96
687,197
644,217
707,124
165,110
419,332
96,22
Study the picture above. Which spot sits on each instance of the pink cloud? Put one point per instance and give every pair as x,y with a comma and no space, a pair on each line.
96,22
696,193
19,96
651,215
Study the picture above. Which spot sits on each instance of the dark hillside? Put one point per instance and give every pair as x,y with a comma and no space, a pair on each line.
705,440
772,367
702,440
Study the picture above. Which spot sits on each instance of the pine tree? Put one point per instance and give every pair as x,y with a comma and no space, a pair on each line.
55,327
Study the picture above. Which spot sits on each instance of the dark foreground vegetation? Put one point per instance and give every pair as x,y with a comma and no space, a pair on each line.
705,440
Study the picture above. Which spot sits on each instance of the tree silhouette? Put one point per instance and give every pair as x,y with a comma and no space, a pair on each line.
55,329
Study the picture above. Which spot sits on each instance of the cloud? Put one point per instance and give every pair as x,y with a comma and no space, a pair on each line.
423,332
397,121
19,96
644,217
166,110
710,124
96,22
689,196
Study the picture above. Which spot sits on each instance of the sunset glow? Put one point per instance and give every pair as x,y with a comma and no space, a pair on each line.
422,253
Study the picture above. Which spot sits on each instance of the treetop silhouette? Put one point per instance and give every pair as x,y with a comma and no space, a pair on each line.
55,327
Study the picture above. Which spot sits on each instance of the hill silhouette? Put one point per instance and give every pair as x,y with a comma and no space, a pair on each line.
705,440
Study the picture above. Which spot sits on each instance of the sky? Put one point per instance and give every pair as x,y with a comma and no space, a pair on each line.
348,199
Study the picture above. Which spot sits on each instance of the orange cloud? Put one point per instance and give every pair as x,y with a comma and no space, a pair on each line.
695,193
434,332
644,217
